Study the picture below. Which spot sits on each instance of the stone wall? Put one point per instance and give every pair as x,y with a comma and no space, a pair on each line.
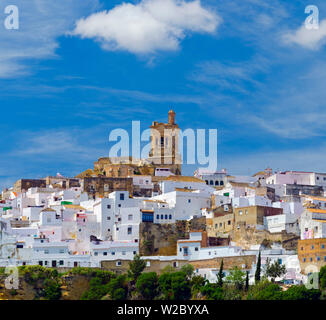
161,239
197,224
245,237
242,262
24,184
101,186
153,266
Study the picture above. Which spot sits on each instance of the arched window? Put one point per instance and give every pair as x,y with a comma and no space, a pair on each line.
211,182
216,183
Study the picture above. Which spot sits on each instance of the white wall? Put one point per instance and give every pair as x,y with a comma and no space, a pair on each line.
186,204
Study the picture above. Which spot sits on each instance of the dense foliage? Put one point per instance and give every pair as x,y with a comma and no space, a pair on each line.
171,284
147,285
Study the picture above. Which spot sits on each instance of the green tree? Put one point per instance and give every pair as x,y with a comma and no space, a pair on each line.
212,292
265,290
147,285
188,269
98,288
247,281
117,288
274,270
119,294
258,269
301,293
196,283
236,277
52,289
168,269
136,267
322,277
220,275
175,286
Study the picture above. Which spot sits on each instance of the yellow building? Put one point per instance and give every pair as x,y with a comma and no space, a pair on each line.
312,252
220,224
254,215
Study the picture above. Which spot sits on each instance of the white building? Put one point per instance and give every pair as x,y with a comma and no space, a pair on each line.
186,203
113,250
192,249
212,178
246,201
183,182
282,222
313,224
298,177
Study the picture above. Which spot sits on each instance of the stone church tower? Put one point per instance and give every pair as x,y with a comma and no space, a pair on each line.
165,145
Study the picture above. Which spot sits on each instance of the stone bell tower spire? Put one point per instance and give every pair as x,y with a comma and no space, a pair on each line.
171,117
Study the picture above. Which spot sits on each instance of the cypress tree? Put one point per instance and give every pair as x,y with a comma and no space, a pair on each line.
247,281
258,269
220,275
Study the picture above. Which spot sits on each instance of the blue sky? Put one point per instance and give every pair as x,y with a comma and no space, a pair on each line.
75,70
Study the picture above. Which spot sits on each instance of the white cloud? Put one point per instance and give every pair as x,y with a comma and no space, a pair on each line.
309,38
149,26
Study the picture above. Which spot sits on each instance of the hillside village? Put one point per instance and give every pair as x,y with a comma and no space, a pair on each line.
107,215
